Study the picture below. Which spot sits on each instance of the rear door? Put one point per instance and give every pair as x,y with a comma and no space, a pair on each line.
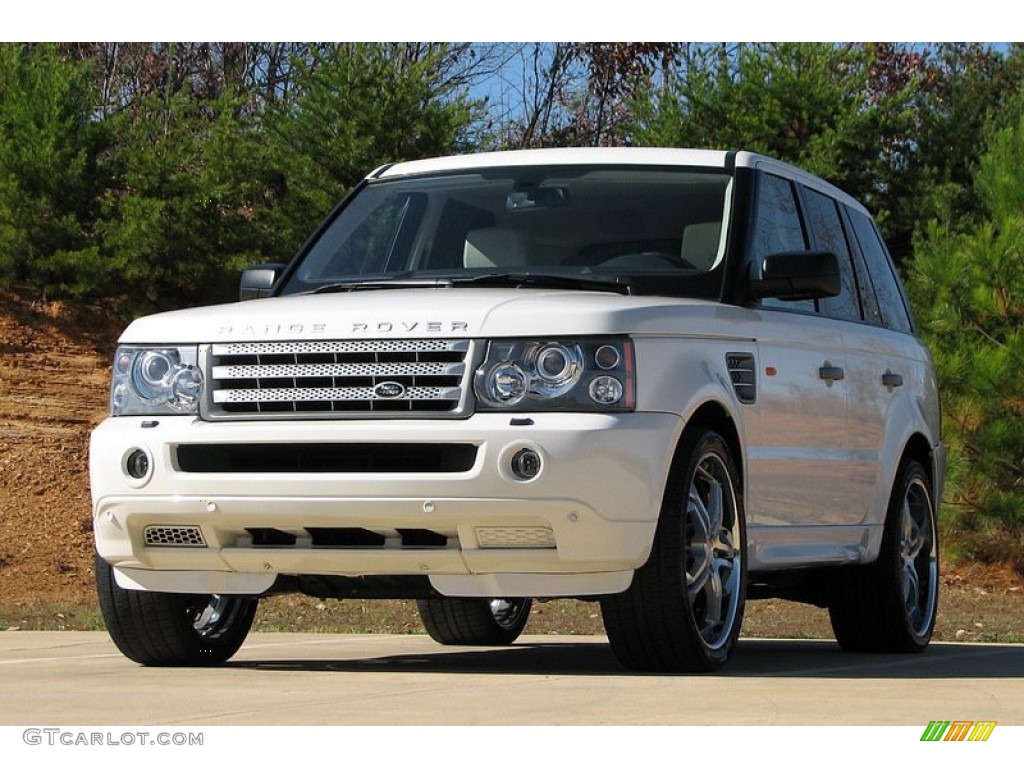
886,365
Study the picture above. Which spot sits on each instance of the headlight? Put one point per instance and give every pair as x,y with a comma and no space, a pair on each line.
154,380
557,375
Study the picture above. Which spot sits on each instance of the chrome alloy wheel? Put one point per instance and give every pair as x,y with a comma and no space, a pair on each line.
713,561
919,565
507,613
208,617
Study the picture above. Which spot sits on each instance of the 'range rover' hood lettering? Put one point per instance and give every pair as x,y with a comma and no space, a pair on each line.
429,326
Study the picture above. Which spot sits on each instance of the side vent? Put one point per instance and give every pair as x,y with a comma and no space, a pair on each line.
742,375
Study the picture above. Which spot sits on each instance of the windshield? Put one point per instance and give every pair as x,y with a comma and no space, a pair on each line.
658,229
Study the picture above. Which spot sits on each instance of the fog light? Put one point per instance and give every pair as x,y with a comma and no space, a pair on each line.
526,464
137,464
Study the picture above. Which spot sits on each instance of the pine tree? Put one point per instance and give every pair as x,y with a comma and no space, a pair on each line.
355,107
968,292
49,184
188,206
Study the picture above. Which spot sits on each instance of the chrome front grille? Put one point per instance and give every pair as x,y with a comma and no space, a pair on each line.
400,378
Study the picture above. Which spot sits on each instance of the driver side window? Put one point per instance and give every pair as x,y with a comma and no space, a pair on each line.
778,228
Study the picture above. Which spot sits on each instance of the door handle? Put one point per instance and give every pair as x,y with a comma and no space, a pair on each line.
891,380
829,372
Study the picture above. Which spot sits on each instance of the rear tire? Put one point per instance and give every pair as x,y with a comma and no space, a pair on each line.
890,605
683,611
474,621
161,629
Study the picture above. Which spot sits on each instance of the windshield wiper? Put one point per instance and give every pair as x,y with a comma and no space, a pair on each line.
382,283
615,284
544,280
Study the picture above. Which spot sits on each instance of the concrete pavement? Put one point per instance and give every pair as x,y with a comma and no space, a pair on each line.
79,678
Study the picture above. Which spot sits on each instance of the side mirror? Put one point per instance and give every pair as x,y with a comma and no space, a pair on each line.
796,275
258,281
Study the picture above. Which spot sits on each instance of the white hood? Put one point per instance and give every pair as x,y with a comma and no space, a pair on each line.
425,313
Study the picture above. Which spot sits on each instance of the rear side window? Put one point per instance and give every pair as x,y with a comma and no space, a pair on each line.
891,303
827,234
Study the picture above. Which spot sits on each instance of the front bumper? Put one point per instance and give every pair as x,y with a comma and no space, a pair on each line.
580,527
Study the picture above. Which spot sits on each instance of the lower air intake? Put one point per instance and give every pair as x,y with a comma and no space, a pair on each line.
173,536
515,538
327,457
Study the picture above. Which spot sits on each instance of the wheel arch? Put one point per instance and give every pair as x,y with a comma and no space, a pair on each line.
918,448
714,415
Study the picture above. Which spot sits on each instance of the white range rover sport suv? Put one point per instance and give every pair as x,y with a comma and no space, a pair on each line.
665,380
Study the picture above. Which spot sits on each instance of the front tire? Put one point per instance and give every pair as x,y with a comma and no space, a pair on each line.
890,605
683,611
161,629
474,621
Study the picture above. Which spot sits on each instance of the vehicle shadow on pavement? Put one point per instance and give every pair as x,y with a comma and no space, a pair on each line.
753,658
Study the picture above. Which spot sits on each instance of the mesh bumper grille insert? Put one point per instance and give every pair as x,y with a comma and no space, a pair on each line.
515,538
173,536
